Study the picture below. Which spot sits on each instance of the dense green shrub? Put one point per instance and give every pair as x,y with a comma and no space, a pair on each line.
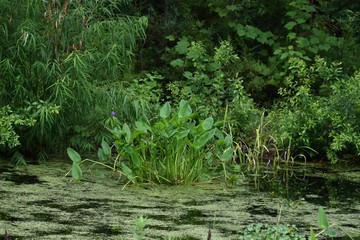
60,60
173,148
321,110
8,123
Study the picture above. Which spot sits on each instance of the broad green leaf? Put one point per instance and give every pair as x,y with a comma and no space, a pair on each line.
73,155
277,51
105,147
127,131
207,123
188,74
251,32
291,35
182,46
314,40
182,134
76,171
322,219
127,171
204,138
177,63
227,154
284,55
184,109
165,110
303,42
141,126
290,25
101,155
214,66
170,37
134,156
228,140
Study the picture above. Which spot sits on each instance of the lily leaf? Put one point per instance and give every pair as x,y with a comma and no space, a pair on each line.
322,219
184,109
105,147
76,172
73,155
207,123
204,138
165,110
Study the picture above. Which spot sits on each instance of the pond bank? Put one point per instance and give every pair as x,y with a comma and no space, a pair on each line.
37,202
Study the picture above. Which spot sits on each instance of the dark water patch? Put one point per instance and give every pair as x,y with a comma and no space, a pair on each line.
228,232
10,236
202,202
143,207
63,231
5,169
67,208
193,217
43,217
159,227
161,217
261,210
102,200
7,217
188,238
19,179
313,189
108,230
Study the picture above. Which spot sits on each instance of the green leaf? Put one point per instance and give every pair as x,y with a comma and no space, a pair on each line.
251,32
105,147
322,219
227,154
291,35
204,138
170,38
182,46
177,63
127,131
188,74
101,155
207,123
184,109
277,51
228,140
303,42
284,55
142,127
165,110
182,134
134,156
73,155
127,171
290,25
76,171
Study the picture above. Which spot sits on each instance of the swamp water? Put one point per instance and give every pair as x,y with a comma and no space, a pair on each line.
38,202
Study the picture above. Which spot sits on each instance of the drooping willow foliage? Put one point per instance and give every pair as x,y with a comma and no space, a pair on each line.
59,59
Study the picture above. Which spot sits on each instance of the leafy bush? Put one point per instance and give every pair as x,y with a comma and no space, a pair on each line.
206,80
8,122
267,232
174,149
321,110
